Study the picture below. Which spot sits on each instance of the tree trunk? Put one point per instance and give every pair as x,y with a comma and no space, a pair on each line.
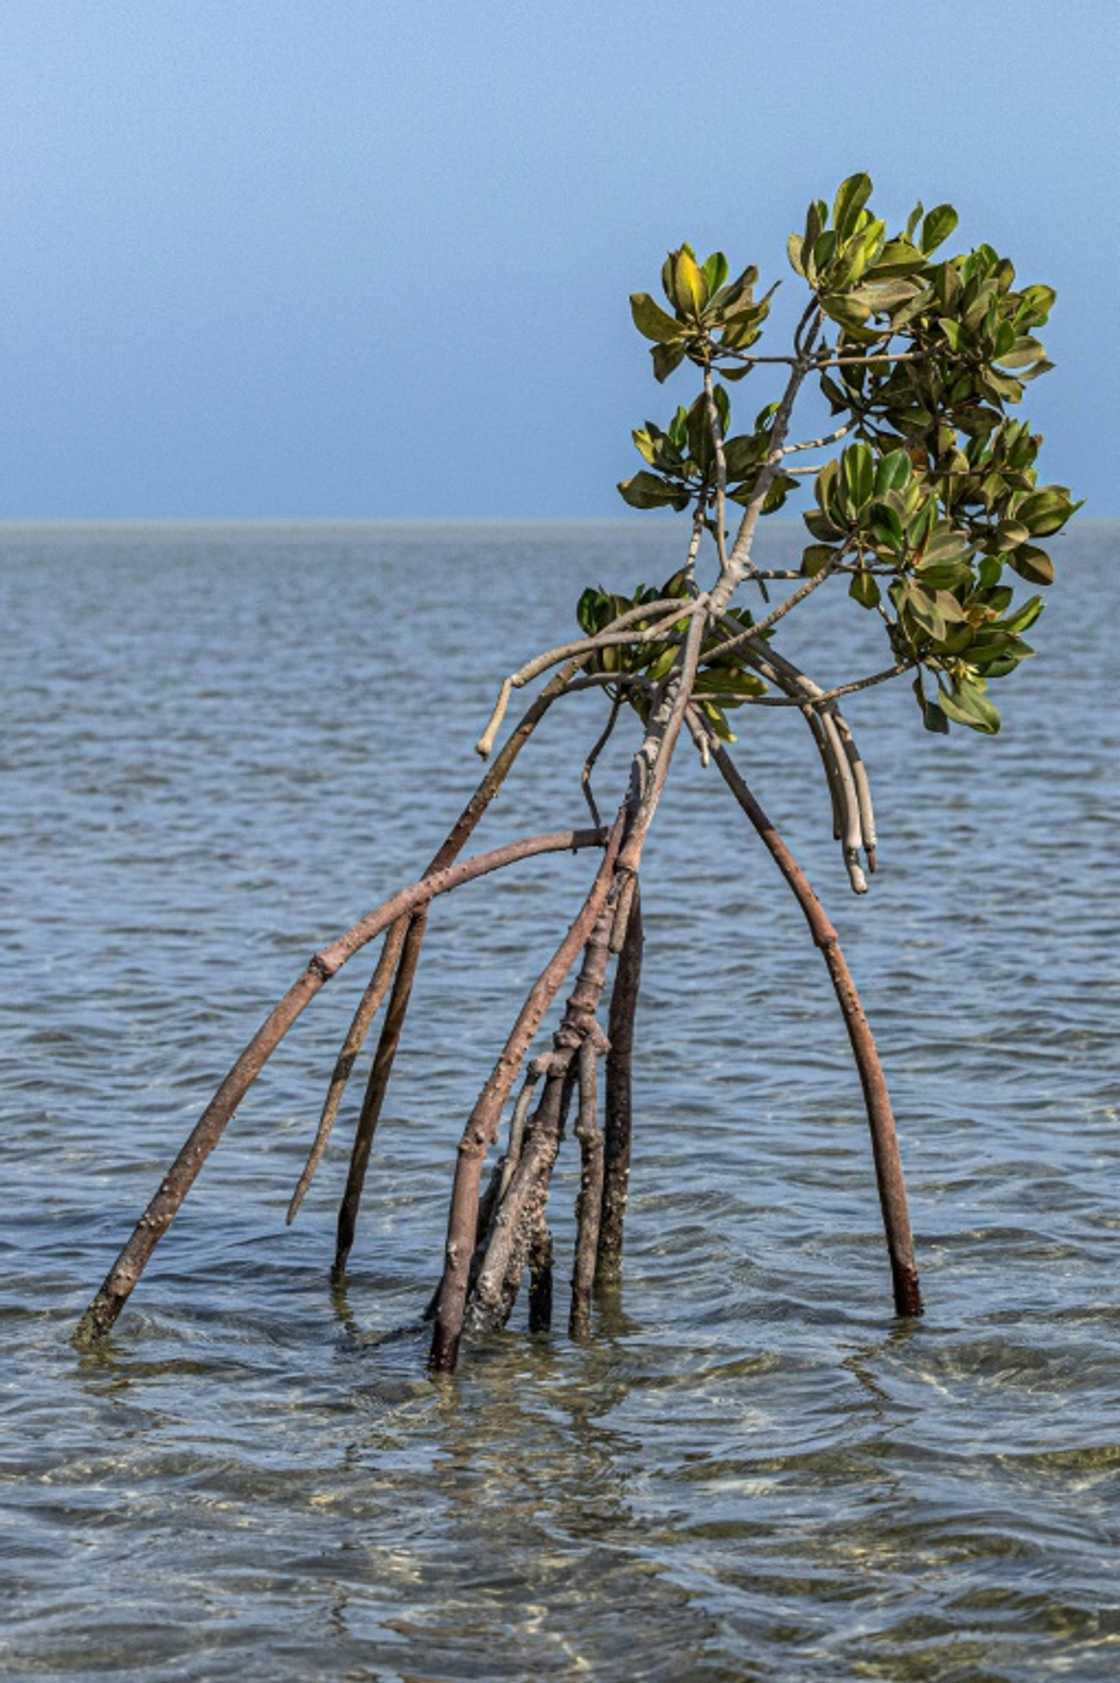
618,1108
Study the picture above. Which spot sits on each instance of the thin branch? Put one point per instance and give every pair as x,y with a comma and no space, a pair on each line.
610,637
834,694
651,763
817,443
753,633
589,763
716,432
739,561
377,1085
376,989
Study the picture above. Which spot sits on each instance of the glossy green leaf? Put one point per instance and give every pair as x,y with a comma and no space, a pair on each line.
1024,617
651,320
885,526
1046,511
665,359
892,472
1032,564
690,289
848,312
816,558
1011,533
898,257
932,717
648,490
715,270
857,468
851,196
937,227
864,589
968,705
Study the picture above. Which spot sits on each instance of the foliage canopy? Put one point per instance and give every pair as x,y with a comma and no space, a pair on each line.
933,498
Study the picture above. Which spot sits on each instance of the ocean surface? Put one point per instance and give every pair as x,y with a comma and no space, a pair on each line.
220,745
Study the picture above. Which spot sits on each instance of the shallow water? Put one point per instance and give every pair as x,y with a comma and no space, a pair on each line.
221,744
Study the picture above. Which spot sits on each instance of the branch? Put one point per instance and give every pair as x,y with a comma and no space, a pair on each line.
834,694
817,443
589,763
376,989
130,1264
651,763
880,1116
609,637
483,1121
753,633
721,467
739,561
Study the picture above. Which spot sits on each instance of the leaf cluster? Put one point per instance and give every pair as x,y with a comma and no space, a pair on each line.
682,458
919,355
706,309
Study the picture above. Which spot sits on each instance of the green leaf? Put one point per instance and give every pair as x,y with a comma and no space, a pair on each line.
892,472
742,454
715,271
849,312
587,613
820,526
898,257
945,545
651,319
937,227
851,196
864,589
1010,534
717,719
690,288
944,575
665,359
914,218
886,528
794,247
968,705
857,467
932,716
1046,511
648,490
1024,617
1035,304
1032,564
816,558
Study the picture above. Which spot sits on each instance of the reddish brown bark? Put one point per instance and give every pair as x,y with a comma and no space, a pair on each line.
880,1116
126,1270
540,1279
376,989
590,1203
407,932
482,1124
525,1199
618,1109
376,1088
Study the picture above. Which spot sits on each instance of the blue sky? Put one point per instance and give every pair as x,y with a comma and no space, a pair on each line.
281,257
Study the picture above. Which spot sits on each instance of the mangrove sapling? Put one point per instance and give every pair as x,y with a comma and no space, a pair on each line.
925,497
